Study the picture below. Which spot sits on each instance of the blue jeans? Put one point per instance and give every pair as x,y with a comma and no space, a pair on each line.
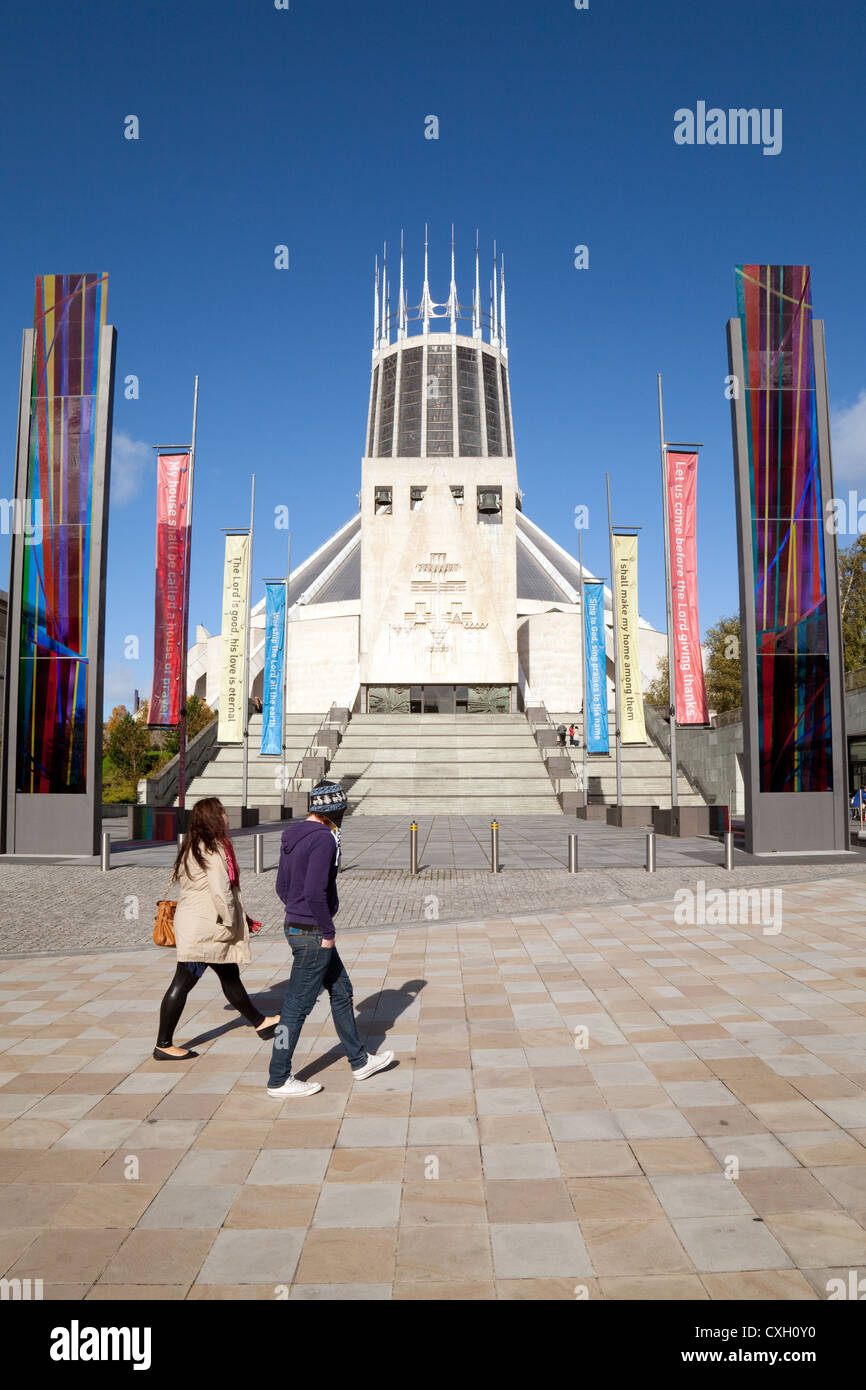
314,968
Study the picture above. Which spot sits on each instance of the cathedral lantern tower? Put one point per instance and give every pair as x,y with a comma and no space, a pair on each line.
438,502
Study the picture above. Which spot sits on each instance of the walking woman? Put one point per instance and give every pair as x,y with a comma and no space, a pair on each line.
211,927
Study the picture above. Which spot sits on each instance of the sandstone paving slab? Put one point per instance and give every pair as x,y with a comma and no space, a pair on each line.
496,1159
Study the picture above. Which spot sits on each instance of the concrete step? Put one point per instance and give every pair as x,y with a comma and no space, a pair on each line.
426,806
439,786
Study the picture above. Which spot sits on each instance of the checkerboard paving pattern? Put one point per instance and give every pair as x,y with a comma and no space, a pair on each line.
600,1103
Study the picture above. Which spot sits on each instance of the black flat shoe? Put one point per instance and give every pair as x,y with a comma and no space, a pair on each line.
267,1033
160,1056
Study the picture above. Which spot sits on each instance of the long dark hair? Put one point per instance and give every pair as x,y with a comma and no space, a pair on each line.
205,834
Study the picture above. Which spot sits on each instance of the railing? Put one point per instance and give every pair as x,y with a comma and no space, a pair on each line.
295,782
660,733
162,788
548,722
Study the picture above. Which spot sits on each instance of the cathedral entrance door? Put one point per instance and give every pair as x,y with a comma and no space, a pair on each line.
432,699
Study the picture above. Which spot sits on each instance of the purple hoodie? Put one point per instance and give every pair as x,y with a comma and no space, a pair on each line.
307,876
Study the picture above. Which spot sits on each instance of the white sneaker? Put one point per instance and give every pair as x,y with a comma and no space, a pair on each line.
375,1062
292,1087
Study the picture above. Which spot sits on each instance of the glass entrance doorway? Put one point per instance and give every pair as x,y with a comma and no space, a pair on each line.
440,699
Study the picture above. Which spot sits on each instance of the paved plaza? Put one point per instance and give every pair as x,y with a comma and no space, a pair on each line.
593,1102
71,906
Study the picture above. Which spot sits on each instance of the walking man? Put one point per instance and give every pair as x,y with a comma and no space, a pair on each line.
307,884
560,734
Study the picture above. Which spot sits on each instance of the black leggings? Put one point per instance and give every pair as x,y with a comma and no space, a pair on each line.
185,978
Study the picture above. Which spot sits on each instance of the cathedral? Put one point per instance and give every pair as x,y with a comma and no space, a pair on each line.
439,595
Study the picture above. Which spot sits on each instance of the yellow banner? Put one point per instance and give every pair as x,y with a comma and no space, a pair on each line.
234,655
633,729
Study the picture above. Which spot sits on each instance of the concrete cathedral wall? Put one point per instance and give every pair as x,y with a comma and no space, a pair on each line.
322,663
438,587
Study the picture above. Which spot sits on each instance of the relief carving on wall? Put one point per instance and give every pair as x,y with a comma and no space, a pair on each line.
436,590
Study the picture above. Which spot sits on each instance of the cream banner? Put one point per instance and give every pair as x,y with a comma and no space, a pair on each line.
232,675
631,717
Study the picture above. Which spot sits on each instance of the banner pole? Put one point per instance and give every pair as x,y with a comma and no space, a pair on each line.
672,687
247,654
583,668
181,750
613,588
286,665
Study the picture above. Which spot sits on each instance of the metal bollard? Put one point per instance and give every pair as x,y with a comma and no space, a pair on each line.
180,839
650,851
259,853
572,854
105,858
413,848
729,849
494,846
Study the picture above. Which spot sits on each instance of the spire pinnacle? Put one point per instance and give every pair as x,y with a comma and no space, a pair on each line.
452,293
504,339
401,308
425,309
476,306
494,339
383,335
376,308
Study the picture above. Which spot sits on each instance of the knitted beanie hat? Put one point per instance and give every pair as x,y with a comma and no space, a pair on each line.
328,799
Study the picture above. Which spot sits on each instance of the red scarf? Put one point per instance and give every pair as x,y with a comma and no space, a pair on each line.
234,871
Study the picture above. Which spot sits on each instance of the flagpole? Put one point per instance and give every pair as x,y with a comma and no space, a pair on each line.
181,759
286,667
247,654
672,696
613,589
583,667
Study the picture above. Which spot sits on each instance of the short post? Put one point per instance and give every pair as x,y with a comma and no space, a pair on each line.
259,853
729,849
105,857
494,846
180,840
413,848
572,854
650,851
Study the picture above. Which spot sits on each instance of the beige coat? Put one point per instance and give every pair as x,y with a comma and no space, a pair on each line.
210,922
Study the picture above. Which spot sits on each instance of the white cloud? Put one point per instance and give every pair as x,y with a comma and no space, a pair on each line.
131,461
848,433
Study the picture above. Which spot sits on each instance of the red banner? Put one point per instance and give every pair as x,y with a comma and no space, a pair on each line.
172,588
691,694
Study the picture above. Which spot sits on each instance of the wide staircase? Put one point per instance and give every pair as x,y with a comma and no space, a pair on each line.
440,764
223,776
646,773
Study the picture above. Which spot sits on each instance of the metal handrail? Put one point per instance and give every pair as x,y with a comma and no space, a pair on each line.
294,781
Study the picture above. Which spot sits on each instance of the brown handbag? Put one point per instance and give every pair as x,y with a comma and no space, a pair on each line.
163,927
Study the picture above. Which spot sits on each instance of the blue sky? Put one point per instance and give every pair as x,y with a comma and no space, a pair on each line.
305,127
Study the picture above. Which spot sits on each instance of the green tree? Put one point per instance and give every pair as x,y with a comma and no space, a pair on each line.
852,588
108,728
657,693
129,749
722,668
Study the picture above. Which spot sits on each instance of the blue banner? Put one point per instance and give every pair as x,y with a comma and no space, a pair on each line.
596,669
272,683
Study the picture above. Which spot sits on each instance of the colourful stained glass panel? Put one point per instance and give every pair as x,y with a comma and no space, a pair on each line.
54,683
793,663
